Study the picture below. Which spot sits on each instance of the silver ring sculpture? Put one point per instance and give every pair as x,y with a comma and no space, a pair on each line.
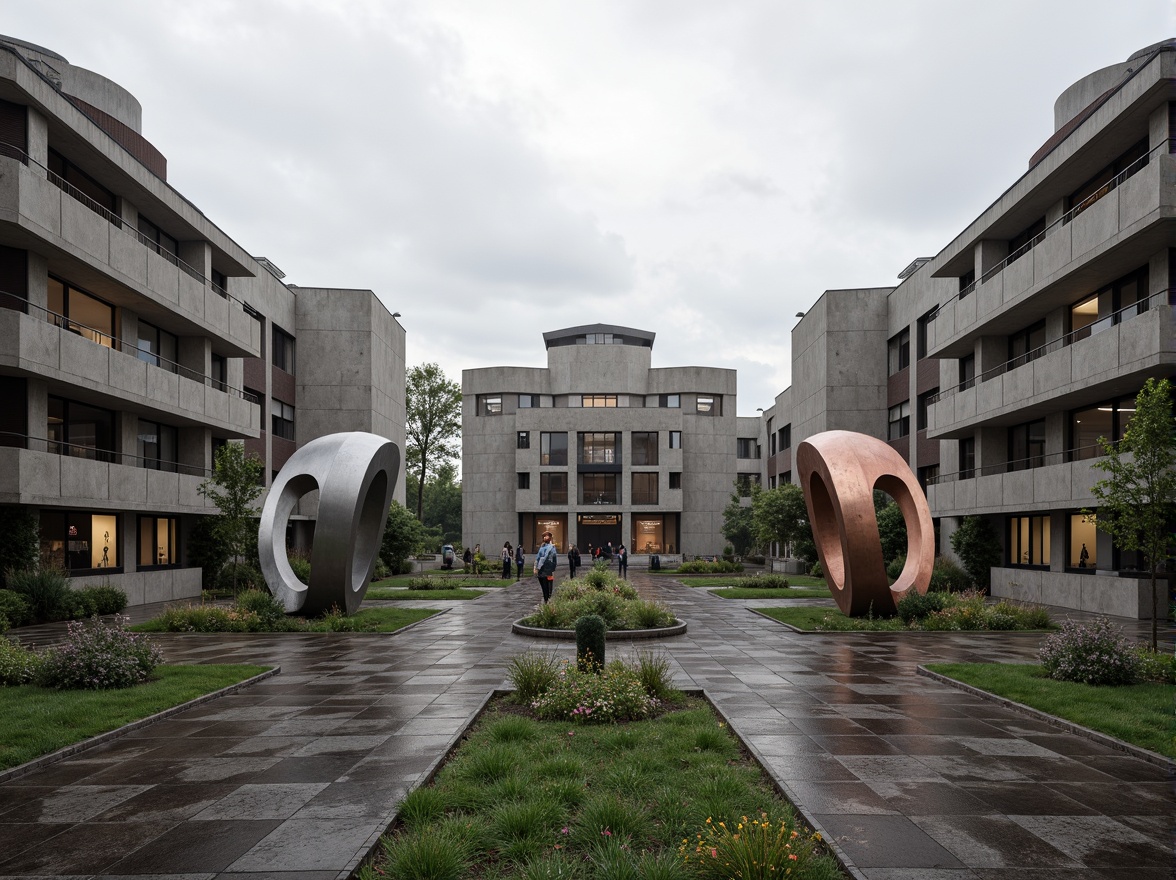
355,475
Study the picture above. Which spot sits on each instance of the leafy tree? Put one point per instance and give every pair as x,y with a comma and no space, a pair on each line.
737,524
21,547
234,486
977,545
442,506
433,424
1135,501
206,551
402,537
892,531
780,515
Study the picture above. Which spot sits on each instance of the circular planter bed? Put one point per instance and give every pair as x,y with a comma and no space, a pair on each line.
678,628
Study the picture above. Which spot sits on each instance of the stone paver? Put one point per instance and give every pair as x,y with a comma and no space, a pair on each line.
298,775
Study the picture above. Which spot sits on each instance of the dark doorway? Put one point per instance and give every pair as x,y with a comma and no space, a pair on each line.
597,529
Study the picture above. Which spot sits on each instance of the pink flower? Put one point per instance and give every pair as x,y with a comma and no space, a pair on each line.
564,830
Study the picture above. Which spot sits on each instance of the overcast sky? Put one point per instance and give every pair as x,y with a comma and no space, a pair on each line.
497,168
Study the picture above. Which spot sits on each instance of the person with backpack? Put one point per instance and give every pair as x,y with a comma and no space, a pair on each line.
573,561
544,569
507,559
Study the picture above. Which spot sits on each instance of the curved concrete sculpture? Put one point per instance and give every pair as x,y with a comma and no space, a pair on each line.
839,471
355,475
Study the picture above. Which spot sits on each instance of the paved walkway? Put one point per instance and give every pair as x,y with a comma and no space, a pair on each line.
296,776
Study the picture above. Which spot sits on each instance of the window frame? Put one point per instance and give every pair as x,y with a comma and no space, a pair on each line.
643,450
898,352
898,420
173,541
549,494
675,439
282,420
549,457
522,440
282,349
644,495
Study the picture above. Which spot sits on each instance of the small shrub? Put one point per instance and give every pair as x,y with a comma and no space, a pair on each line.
336,621
45,589
301,566
261,603
947,577
532,673
201,618
721,566
381,570
421,583
647,614
15,608
547,616
653,671
427,854
765,582
105,599
247,577
1090,653
97,656
1156,666
590,630
18,664
912,606
816,570
756,849
894,569
615,694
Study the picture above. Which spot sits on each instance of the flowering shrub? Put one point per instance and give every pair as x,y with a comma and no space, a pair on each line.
722,566
764,582
1090,653
615,694
602,593
99,657
579,588
18,665
755,849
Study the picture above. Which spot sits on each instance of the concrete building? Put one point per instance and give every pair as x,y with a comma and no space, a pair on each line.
136,337
600,446
1008,353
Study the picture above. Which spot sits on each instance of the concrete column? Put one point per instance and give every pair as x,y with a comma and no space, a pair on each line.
1055,435
1158,274
127,327
988,254
1056,324
991,351
1055,211
128,540
38,269
1158,127
198,255
127,430
195,353
38,137
947,527
195,447
128,211
992,447
38,409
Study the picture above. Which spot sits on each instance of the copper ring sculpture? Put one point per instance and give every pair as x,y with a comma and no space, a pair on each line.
839,471
355,475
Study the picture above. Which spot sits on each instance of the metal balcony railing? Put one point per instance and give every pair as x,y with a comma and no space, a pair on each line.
13,440
1078,453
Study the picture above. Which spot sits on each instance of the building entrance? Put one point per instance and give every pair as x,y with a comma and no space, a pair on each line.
597,529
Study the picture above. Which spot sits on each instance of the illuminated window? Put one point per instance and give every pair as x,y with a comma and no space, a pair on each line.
157,541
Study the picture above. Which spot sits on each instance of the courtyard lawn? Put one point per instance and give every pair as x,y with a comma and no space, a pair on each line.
1140,714
442,592
446,580
778,593
219,619
812,618
35,721
733,580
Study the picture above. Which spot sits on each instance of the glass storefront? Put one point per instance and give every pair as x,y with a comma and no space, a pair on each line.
1083,550
77,541
655,534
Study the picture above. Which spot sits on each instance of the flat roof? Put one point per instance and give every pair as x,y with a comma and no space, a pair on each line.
639,337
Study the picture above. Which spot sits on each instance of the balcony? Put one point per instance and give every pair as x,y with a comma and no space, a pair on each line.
1042,483
55,211
39,345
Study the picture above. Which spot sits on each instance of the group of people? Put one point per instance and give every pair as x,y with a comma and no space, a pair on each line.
509,555
547,558
608,554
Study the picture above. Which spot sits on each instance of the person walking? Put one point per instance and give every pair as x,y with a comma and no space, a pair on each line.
544,569
519,562
467,559
608,554
573,561
622,561
507,558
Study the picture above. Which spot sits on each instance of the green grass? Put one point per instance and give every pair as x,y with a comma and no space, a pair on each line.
382,620
523,798
35,721
812,619
785,593
439,593
450,580
733,580
1140,714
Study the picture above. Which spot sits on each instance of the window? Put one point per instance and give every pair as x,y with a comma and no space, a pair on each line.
1123,298
1027,445
898,352
967,458
527,401
928,475
157,446
675,439
80,313
675,479
1133,159
598,400
645,488
553,488
1026,345
709,406
785,437
553,449
899,418
157,347
524,440
599,448
923,329
490,406
744,482
967,280
1082,551
80,541
282,419
747,447
220,283
922,411
253,395
600,488
669,401
80,430
644,448
157,541
967,372
600,339
524,480
1107,420
69,177
1028,540
158,240
771,439
219,372
283,349
1025,240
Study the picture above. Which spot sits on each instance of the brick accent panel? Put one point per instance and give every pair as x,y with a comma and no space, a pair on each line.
926,375
282,386
898,387
928,450
126,137
903,447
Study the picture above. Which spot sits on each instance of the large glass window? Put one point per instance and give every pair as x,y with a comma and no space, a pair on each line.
80,541
744,482
80,313
785,437
644,448
80,430
599,448
283,350
645,487
899,420
1083,550
967,458
157,347
553,448
747,447
95,196
675,439
524,480
282,419
158,240
967,372
709,406
553,488
898,352
219,372
1027,445
923,329
157,541
598,400
490,405
157,446
600,488
1107,421
528,401
1123,298
675,479
1028,540
1026,345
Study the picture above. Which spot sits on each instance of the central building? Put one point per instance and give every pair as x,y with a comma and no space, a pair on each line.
600,447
